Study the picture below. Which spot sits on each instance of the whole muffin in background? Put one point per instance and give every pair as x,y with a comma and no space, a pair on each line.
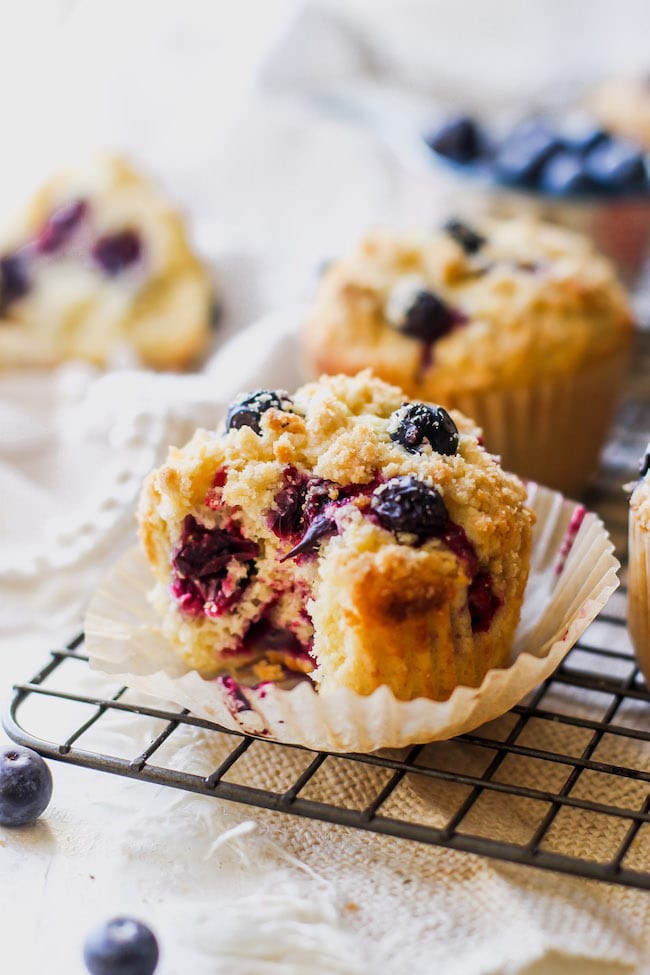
100,263
342,532
519,324
638,606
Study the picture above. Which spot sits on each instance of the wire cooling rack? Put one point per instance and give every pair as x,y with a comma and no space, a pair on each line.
584,733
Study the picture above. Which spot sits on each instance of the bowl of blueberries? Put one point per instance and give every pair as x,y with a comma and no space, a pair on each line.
566,169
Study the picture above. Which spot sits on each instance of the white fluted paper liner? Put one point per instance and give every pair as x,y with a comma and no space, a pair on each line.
573,573
638,601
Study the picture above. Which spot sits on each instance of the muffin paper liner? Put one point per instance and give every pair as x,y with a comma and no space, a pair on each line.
638,600
573,573
551,432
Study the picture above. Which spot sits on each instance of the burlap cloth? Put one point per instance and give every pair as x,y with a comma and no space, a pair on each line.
358,902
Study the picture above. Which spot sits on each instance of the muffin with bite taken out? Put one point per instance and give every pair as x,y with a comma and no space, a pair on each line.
344,532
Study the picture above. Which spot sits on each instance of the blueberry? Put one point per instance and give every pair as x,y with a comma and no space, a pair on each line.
25,785
14,282
644,466
459,139
248,410
414,423
60,226
468,239
115,252
580,135
406,504
429,318
524,152
121,946
617,166
564,174
322,526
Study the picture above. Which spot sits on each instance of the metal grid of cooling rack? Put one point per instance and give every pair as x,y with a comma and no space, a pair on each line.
611,722
590,721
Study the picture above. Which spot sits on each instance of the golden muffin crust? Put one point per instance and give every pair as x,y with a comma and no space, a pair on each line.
522,302
99,262
315,563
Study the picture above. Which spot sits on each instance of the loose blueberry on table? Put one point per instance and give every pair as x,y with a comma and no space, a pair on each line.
415,423
121,946
25,786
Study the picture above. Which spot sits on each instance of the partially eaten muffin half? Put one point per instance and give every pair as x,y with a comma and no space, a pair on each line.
344,533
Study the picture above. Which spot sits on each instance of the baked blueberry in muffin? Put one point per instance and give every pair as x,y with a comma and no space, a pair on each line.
344,533
98,263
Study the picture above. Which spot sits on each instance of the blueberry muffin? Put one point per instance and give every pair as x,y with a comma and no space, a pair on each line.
100,262
516,323
638,607
343,533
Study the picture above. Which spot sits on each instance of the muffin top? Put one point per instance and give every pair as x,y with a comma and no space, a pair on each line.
493,305
640,500
347,457
100,260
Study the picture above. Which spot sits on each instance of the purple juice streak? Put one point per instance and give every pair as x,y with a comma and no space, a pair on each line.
301,509
60,226
321,527
236,700
482,601
427,354
201,564
577,518
188,599
456,540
